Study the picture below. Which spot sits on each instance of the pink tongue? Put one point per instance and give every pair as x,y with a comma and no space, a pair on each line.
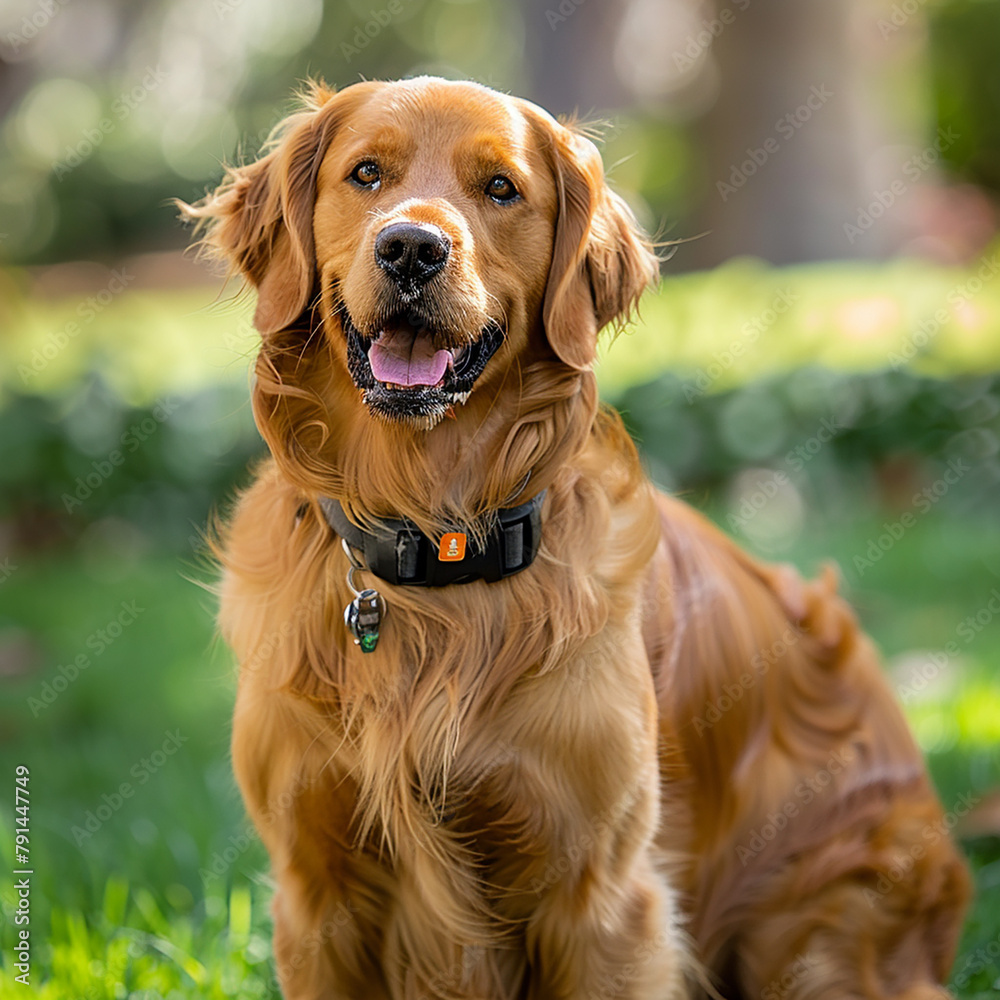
401,357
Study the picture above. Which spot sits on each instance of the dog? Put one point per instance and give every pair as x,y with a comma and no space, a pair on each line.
511,723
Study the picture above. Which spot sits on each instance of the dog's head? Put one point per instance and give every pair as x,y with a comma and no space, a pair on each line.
438,232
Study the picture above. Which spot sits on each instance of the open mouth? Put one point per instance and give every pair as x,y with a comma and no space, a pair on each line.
403,375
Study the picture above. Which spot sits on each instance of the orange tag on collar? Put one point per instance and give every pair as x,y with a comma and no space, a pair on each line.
452,547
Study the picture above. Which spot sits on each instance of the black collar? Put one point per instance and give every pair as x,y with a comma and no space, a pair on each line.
397,551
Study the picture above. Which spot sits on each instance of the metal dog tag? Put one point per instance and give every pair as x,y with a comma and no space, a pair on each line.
363,616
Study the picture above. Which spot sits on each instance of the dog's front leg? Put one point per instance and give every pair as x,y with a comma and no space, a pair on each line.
331,900
608,939
602,922
319,954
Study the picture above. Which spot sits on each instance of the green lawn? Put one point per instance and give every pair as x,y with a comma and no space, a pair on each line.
167,896
131,900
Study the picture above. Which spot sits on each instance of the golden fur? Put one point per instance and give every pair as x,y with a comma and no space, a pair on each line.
525,790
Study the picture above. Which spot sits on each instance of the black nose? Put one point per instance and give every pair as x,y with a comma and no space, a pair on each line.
411,254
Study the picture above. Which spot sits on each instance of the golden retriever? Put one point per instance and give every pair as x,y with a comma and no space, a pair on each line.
625,761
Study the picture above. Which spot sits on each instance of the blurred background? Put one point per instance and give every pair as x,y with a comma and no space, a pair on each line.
818,371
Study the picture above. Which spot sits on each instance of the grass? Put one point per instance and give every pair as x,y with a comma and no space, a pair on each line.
131,902
167,897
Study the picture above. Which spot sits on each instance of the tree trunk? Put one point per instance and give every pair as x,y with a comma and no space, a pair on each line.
795,147
569,46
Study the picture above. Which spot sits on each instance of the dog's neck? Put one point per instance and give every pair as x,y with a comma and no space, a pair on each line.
501,448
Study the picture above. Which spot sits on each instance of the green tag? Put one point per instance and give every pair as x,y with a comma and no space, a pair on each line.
363,617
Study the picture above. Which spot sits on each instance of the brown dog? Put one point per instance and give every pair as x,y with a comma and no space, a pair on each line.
626,751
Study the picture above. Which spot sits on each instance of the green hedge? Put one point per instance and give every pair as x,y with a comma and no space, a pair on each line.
74,459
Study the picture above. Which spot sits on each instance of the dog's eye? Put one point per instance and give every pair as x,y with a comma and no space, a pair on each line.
366,174
501,189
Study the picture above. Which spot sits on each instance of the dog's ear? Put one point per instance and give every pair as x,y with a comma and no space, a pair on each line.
260,218
601,261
